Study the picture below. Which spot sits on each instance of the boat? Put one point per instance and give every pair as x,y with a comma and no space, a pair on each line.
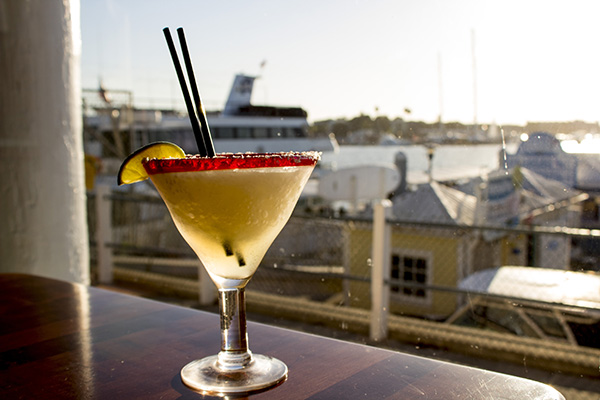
549,304
239,127
242,126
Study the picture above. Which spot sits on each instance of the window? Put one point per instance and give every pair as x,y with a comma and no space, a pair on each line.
290,132
277,133
261,132
243,132
412,270
299,132
225,133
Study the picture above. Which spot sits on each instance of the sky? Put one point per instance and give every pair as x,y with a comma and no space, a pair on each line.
505,62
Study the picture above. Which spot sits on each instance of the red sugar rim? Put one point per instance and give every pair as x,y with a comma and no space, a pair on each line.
230,161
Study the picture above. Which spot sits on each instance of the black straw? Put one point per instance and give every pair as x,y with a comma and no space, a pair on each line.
186,95
210,150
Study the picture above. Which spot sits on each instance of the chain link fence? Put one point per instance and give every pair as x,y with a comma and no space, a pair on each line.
318,271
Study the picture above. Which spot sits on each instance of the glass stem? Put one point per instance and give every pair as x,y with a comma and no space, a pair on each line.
234,352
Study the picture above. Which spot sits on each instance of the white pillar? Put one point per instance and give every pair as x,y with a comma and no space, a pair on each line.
347,261
43,227
207,291
103,232
380,292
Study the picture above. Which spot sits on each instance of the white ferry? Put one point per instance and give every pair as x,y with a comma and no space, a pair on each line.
242,126
239,127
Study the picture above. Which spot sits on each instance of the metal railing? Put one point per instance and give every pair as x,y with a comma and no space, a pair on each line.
326,271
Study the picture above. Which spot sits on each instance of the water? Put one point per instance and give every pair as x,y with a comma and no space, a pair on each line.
449,161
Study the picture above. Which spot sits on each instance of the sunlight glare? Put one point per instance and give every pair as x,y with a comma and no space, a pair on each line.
590,144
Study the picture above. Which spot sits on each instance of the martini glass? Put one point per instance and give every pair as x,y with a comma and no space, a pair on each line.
229,208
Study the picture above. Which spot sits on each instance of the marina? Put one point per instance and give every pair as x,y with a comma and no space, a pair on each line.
428,198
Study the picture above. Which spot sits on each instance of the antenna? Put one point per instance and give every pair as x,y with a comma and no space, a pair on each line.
441,91
474,80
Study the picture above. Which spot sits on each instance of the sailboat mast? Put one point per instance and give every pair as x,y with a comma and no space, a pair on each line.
474,80
440,92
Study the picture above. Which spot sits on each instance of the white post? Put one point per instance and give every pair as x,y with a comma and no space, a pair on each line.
42,190
347,260
380,292
207,291
354,193
104,234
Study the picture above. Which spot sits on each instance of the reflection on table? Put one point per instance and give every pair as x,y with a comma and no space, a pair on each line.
60,340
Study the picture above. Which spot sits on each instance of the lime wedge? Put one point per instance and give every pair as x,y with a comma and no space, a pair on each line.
132,170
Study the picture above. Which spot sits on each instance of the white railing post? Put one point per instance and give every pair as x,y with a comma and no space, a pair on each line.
380,271
347,260
104,234
207,293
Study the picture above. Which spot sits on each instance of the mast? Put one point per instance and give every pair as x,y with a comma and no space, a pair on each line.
440,93
474,81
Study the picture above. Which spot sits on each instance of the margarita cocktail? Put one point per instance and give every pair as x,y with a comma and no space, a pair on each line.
229,208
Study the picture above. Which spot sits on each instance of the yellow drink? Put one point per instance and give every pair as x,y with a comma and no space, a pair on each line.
230,217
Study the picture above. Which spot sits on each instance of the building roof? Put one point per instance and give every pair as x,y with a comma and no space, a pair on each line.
540,284
546,190
588,172
438,203
549,190
434,202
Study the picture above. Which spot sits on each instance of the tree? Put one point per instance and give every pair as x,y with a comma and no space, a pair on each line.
359,123
382,124
340,129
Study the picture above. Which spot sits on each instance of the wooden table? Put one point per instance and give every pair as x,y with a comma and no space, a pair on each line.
61,340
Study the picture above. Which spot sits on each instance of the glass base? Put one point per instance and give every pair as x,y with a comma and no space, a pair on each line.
261,373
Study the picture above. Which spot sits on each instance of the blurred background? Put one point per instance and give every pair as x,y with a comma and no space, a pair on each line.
472,125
